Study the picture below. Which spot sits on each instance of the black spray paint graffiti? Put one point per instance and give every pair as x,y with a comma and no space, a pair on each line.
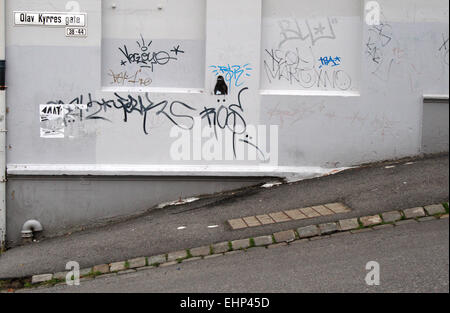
230,117
378,49
385,53
444,48
137,105
290,66
146,58
311,30
380,36
180,114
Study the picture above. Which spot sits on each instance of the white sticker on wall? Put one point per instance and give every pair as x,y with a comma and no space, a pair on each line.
55,19
76,32
51,120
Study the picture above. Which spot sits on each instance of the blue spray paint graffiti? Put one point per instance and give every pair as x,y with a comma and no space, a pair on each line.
232,73
330,61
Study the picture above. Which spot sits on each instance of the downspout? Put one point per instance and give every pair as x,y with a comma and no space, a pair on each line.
2,125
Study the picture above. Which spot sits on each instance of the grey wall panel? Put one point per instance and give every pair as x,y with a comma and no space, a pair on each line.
63,204
435,133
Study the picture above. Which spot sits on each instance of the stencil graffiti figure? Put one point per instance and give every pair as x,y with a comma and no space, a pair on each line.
221,87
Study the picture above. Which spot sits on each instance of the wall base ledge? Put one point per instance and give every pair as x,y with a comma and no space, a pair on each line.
287,172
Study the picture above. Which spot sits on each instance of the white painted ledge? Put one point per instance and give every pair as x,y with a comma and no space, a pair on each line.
161,90
434,98
290,173
316,93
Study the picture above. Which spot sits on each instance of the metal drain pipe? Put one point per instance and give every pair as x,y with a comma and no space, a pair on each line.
2,125
28,230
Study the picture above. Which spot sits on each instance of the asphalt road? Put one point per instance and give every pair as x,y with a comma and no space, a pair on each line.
366,191
412,258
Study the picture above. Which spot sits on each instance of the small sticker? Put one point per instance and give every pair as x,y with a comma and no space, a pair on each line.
76,32
51,120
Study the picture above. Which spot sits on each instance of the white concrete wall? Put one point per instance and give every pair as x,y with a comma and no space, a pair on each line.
147,70
364,105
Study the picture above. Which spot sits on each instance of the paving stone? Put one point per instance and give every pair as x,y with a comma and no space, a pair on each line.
255,249
200,251
145,268
263,241
138,262
234,252
308,231
284,236
300,241
328,228
60,275
295,214
383,226
102,268
338,208
427,219
414,212
371,220
237,223
212,256
348,224
319,237
126,272
435,209
251,221
444,216
277,245
265,219
85,279
41,278
405,222
106,275
117,266
221,247
240,244
309,212
392,216
280,217
168,264
192,259
322,210
157,259
363,230
173,256
86,271
342,233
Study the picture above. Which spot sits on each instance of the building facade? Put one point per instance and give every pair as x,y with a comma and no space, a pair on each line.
115,106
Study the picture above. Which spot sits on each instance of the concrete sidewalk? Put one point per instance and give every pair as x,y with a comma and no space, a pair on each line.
366,191
416,261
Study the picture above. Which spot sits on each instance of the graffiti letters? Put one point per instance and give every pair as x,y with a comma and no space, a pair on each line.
378,48
289,66
329,61
232,73
122,78
145,58
140,105
311,30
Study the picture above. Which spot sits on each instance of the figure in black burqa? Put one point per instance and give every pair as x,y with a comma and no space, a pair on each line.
221,87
